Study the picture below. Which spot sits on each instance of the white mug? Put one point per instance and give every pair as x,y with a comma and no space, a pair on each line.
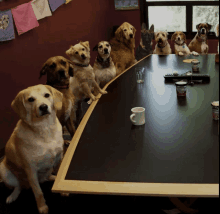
138,116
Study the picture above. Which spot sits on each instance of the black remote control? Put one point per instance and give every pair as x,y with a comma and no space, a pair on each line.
203,77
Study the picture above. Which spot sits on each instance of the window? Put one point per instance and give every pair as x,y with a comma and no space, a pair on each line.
176,15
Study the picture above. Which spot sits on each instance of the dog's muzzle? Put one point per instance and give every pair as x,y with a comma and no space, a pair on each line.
44,109
203,31
83,56
62,74
106,51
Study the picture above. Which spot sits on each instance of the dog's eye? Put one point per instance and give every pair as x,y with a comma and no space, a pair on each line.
107,45
76,52
125,29
31,99
163,34
46,95
53,65
100,46
83,49
131,28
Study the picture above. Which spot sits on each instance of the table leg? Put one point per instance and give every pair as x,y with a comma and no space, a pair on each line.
184,207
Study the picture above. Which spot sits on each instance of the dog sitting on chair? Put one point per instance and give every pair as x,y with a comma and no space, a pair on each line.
145,46
122,47
59,70
180,46
35,147
103,67
162,46
200,41
83,83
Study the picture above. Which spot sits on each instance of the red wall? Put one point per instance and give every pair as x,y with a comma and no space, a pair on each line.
21,59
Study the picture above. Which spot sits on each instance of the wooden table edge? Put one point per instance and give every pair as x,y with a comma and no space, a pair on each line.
152,189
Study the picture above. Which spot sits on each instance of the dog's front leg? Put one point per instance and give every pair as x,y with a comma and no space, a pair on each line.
97,88
70,126
79,112
34,183
87,91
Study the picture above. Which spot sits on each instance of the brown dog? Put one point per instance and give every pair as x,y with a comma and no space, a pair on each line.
123,45
180,46
35,147
200,41
59,70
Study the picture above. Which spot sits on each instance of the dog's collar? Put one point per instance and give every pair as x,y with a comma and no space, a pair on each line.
179,44
81,65
58,86
104,64
201,40
162,47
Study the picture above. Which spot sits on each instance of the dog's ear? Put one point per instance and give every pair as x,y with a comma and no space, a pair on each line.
173,37
57,97
95,48
197,26
119,34
43,69
209,26
134,31
151,28
143,26
68,52
184,37
18,105
85,44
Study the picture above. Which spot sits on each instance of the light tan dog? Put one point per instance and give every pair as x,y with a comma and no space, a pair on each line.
103,67
35,147
122,47
200,41
83,83
59,70
162,46
180,46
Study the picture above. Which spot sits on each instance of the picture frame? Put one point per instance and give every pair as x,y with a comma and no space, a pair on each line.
126,4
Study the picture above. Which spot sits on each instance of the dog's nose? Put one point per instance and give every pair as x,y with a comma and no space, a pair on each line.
131,36
62,73
106,50
203,30
83,56
43,107
160,40
178,38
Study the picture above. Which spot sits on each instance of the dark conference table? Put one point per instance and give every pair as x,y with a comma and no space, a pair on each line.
175,153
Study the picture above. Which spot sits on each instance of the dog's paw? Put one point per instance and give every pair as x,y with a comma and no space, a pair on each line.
181,54
104,92
66,142
10,199
64,194
90,101
44,209
195,53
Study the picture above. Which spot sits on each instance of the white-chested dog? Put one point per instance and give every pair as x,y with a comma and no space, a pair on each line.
162,46
103,67
180,46
35,147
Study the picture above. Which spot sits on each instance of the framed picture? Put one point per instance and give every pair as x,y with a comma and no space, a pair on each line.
126,4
